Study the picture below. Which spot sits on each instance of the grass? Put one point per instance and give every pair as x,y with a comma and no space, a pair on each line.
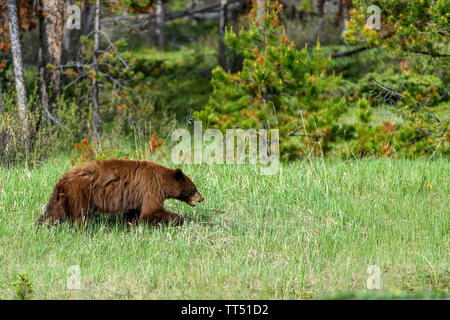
310,231
178,81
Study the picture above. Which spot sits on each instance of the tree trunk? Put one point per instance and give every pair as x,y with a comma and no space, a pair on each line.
321,7
87,16
160,21
67,31
1,95
321,17
260,11
43,90
222,25
51,31
344,13
16,51
95,113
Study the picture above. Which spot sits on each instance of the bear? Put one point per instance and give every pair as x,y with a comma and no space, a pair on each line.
136,189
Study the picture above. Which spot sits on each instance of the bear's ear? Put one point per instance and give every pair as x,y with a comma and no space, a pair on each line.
178,174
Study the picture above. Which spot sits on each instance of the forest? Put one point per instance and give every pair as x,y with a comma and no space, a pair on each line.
126,71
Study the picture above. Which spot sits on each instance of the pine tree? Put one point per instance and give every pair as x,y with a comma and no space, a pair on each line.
410,28
279,87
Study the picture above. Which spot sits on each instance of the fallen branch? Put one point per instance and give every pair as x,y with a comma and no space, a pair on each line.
349,53
433,54
358,50
55,120
295,131
392,92
115,50
308,135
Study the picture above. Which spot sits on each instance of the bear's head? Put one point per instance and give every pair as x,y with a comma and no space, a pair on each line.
186,190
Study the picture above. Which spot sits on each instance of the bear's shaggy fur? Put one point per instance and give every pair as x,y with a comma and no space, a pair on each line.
136,188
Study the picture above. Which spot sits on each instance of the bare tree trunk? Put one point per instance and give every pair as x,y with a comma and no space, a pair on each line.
260,14
314,37
1,95
344,13
321,14
43,90
1,90
160,21
66,43
95,114
87,16
67,31
51,31
321,7
222,25
16,51
260,11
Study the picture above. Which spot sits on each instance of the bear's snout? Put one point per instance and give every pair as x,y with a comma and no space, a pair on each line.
197,197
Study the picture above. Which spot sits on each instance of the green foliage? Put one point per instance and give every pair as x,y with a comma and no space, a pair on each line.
279,87
380,140
74,122
407,25
423,105
135,92
12,139
141,6
364,112
174,82
142,143
414,110
143,90
417,90
305,6
115,76
85,152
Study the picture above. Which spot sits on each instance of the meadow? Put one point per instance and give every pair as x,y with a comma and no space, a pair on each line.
310,231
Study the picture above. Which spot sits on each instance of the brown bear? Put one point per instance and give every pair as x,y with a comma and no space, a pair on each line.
136,188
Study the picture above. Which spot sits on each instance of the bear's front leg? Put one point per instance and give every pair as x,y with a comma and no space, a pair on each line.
153,212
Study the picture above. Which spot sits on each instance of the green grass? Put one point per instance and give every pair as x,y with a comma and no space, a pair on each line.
310,231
